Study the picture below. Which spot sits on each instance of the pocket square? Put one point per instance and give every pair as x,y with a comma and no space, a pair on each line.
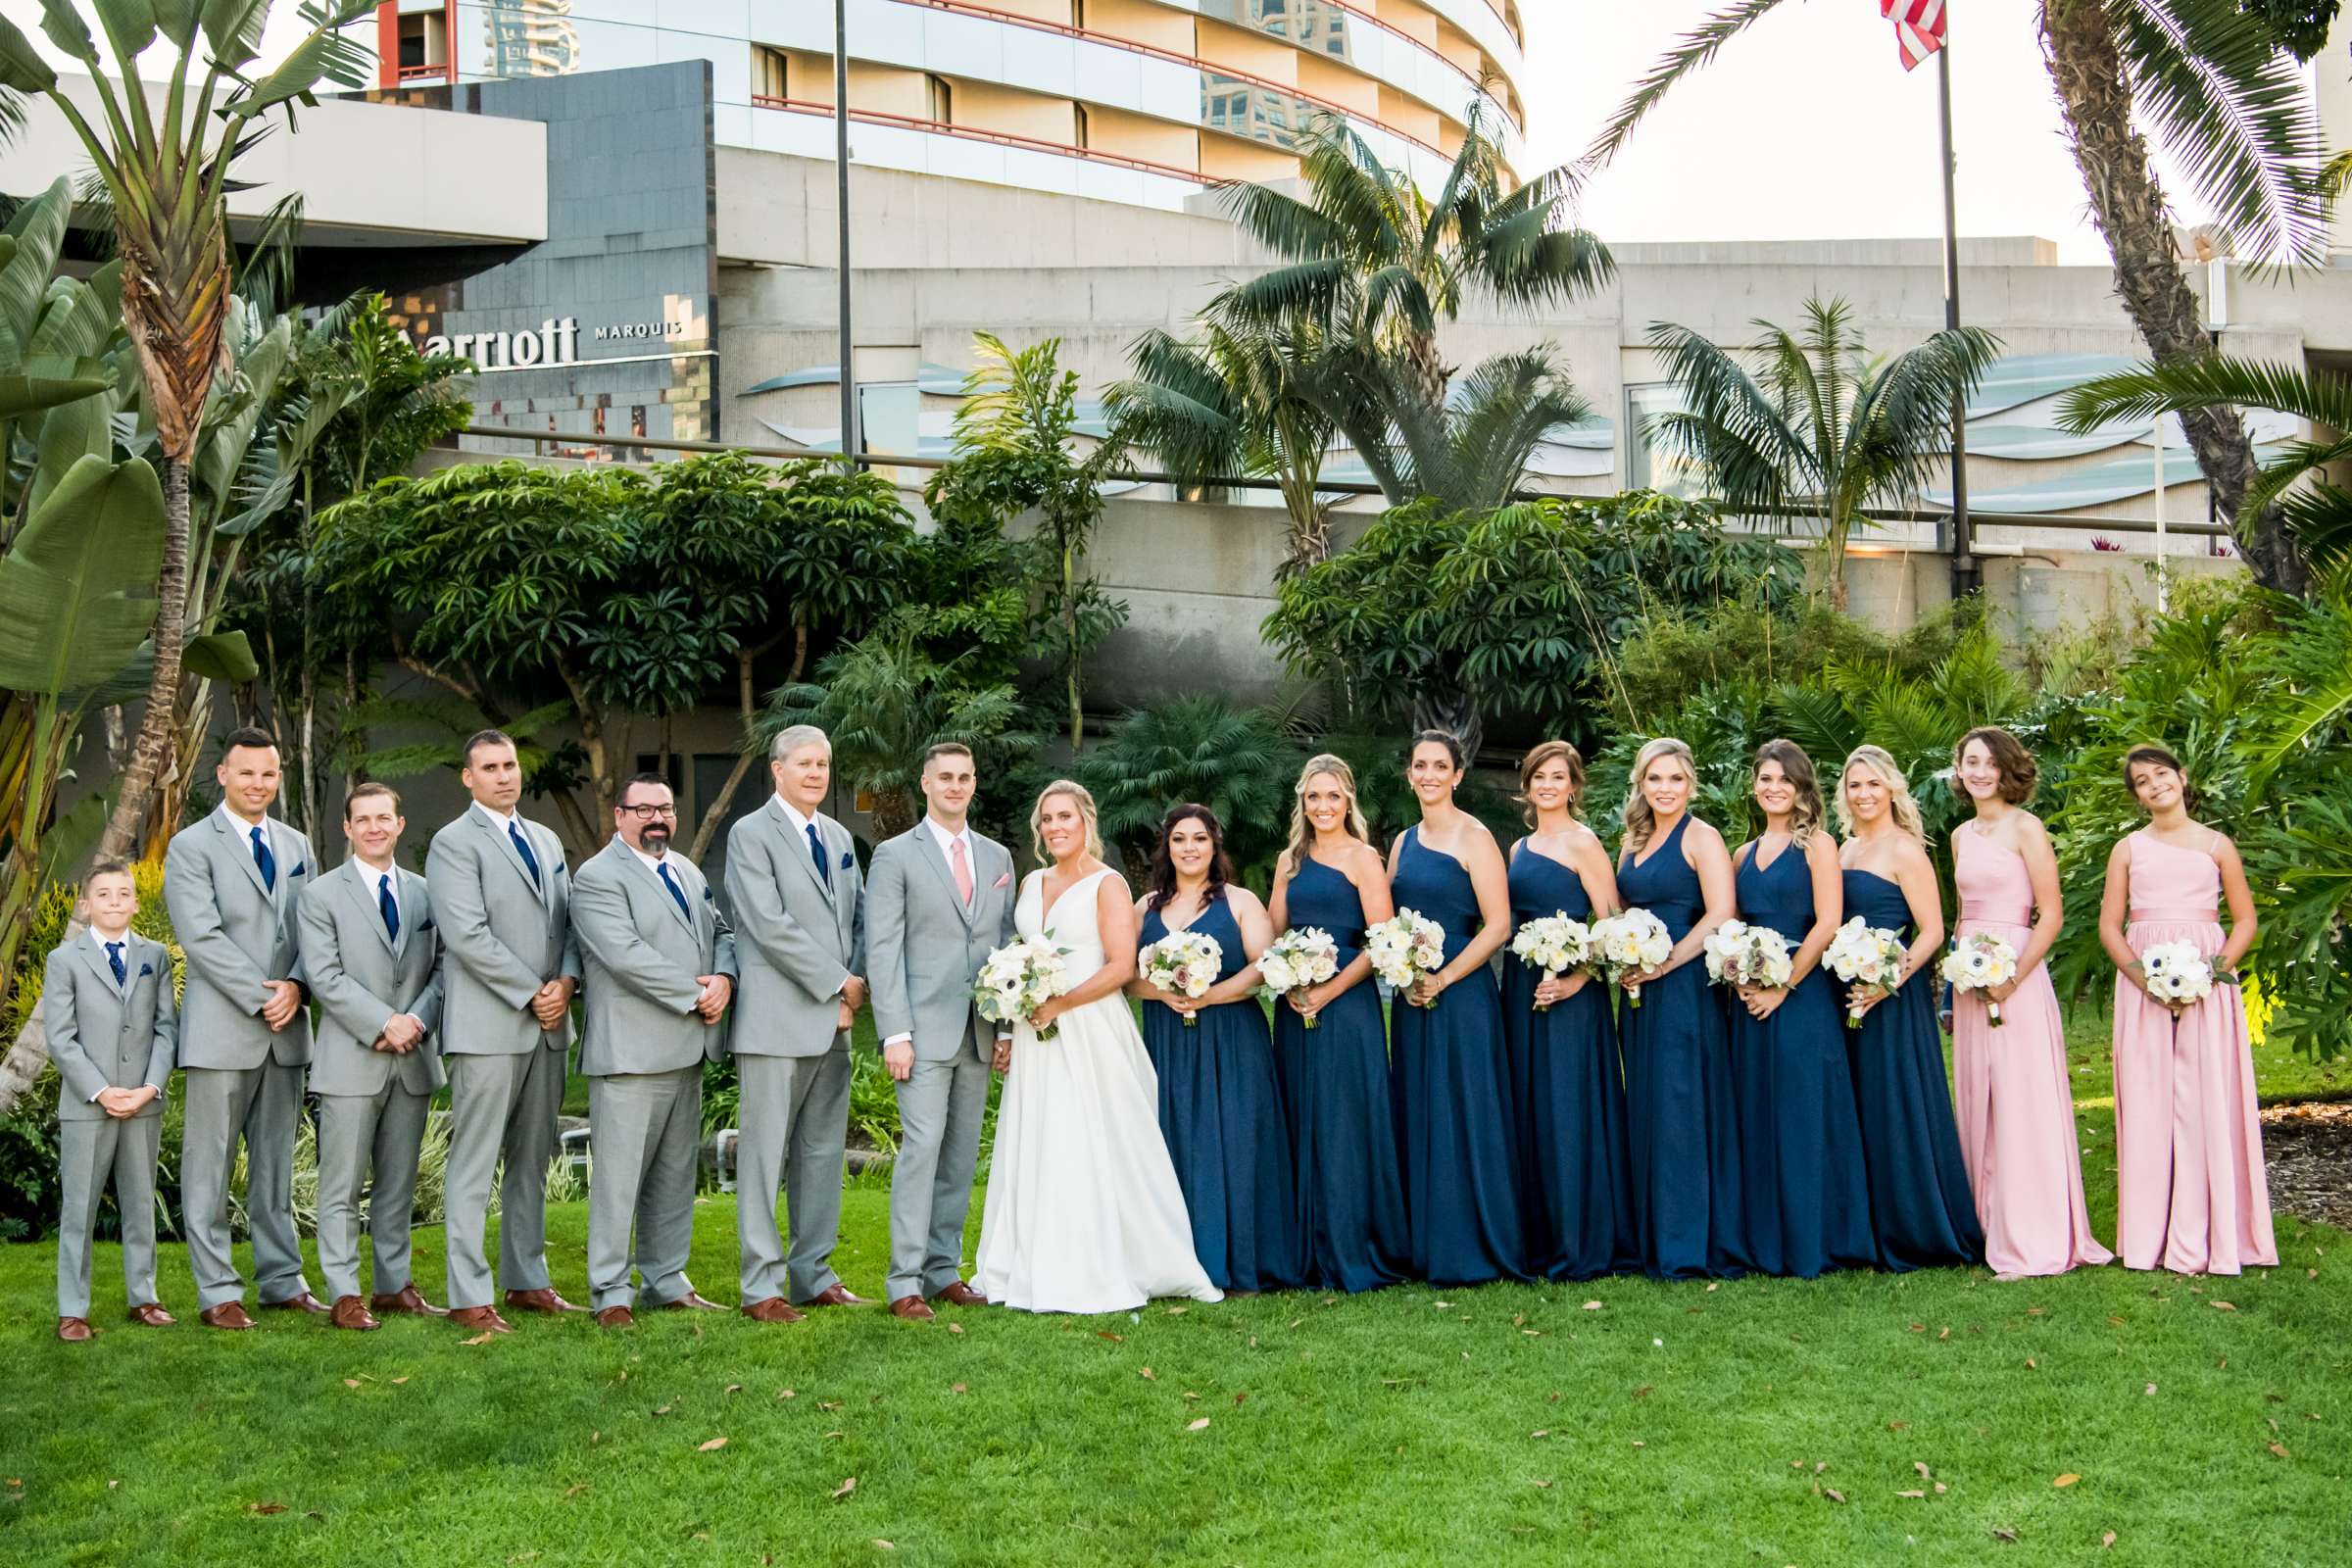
304,869
146,970
1004,881
849,857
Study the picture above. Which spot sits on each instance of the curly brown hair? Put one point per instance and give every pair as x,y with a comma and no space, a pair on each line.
1553,751
2019,771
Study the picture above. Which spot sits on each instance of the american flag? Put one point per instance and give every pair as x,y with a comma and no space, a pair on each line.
1918,28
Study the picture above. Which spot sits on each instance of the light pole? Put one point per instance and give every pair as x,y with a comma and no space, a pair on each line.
850,444
1965,574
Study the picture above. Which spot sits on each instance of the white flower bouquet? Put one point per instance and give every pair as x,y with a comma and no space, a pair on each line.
1632,942
1864,955
1020,977
1750,957
1979,963
1301,957
1554,945
1405,947
2176,973
1183,964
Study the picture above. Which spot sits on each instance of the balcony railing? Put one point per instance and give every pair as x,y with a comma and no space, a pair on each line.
1001,138
433,72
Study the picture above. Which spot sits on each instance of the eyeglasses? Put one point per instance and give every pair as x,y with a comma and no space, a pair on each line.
647,814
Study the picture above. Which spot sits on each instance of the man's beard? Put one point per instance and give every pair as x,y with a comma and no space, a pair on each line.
655,839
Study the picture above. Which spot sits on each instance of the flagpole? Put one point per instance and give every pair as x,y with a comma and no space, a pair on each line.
1966,577
851,445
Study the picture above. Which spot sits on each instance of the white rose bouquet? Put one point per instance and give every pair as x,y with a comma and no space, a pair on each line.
1020,977
2176,973
1183,964
1554,945
1864,955
1405,947
1980,962
1632,942
1750,957
1301,957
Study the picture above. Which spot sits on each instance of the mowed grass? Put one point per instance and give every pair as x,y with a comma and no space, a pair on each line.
1621,1421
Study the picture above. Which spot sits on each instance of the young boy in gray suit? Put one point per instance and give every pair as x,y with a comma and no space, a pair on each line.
113,1028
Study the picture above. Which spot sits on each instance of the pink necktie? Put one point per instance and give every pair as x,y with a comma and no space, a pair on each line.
963,868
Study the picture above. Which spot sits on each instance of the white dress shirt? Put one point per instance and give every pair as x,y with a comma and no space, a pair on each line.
244,832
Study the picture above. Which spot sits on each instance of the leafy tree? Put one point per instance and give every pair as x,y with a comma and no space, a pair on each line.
167,177
2213,83
2300,26
1234,761
1813,424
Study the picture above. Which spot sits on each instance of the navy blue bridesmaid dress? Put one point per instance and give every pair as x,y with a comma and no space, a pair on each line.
1573,1178
1335,1093
1682,1129
1800,1143
1455,1124
1222,1117
1921,1207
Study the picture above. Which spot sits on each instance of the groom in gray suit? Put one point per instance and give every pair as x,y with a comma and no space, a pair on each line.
659,962
793,893
374,959
232,882
939,897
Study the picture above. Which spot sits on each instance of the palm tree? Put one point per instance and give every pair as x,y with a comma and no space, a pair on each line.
2320,517
1466,452
1813,424
2216,85
165,175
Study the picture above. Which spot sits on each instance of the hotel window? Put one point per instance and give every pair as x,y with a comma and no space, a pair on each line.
1649,464
424,42
769,78
939,100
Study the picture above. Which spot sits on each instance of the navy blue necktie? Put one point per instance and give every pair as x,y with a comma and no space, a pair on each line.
267,862
114,956
385,902
661,867
523,847
816,852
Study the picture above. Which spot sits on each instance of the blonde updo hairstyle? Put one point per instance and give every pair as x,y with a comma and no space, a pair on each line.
1900,803
1085,802
1639,820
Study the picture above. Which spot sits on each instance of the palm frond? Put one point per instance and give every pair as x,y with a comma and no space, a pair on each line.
1691,52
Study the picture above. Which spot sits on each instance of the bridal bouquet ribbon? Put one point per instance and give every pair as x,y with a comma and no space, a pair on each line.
1632,942
1304,955
1754,958
1405,947
1979,963
1864,955
2176,973
1183,964
1020,977
1554,945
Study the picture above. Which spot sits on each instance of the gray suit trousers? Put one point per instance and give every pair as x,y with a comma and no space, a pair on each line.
502,1106
644,1128
794,1120
90,1152
940,1109
263,1107
359,1134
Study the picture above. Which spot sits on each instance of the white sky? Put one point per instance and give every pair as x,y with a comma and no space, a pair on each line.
1808,126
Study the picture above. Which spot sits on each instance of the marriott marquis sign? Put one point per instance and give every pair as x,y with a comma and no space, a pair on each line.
554,342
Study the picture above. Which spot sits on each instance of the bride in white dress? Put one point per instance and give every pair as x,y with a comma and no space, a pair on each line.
1082,1212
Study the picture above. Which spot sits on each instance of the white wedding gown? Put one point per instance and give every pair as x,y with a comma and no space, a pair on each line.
1083,1212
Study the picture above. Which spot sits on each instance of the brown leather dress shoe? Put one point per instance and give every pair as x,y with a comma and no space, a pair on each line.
912,1309
541,1300
615,1317
774,1309
959,1295
350,1312
74,1330
407,1301
836,1295
482,1319
151,1315
227,1315
689,1301
305,1301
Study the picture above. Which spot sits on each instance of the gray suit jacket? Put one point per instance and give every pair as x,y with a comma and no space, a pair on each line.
797,938
362,976
239,937
503,936
924,945
104,1036
642,954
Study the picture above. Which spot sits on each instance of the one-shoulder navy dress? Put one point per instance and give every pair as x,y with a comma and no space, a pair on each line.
1222,1116
1682,1126
1335,1093
1461,1189
1575,1211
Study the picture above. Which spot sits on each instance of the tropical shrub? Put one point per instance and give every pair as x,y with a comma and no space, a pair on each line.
1234,761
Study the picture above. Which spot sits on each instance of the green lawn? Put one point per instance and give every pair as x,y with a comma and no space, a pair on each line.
1762,1421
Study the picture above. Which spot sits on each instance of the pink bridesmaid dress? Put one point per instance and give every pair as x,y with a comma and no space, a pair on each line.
2191,1195
2015,1102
